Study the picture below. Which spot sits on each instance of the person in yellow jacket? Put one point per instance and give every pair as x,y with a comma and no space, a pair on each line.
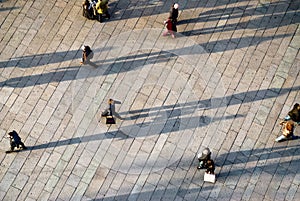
102,10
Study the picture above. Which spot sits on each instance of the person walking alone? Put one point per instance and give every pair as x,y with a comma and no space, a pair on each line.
87,54
169,28
174,15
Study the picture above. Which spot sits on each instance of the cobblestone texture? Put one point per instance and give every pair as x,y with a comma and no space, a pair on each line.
225,82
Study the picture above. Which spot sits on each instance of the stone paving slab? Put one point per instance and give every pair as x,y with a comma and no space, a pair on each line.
225,81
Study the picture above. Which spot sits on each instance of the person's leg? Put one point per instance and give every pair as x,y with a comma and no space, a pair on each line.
12,146
166,31
200,165
22,145
105,113
89,57
280,138
82,59
100,18
172,33
287,117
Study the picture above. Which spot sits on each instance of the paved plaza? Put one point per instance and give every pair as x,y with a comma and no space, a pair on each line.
225,82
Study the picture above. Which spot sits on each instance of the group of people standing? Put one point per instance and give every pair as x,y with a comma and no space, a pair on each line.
97,9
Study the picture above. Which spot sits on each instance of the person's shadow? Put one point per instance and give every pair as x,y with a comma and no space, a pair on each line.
91,64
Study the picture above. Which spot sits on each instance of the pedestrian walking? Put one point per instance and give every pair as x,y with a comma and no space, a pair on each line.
110,112
203,158
15,141
174,13
287,130
87,54
169,27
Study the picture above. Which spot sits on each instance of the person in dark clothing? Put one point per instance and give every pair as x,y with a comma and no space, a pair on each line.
108,111
210,167
102,10
15,141
287,130
294,114
203,158
87,10
111,110
174,13
169,28
87,54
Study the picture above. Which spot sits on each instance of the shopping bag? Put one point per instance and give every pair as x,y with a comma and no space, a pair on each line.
110,120
209,177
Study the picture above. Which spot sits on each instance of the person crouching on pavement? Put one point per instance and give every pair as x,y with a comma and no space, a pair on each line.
102,10
15,141
287,130
203,158
210,168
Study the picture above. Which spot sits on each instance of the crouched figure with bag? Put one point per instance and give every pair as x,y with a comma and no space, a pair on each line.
15,141
209,174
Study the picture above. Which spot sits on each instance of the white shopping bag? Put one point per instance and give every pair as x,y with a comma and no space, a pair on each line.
209,177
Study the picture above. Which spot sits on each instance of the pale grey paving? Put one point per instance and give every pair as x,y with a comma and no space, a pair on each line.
225,82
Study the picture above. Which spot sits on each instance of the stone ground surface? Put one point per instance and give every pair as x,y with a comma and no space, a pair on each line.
224,82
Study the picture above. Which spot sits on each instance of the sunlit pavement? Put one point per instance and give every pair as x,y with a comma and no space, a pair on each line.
225,82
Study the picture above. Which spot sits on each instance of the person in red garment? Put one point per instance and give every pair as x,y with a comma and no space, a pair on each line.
169,27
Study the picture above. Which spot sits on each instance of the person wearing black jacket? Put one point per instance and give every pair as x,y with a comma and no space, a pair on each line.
294,114
210,167
203,158
87,54
15,141
174,12
173,16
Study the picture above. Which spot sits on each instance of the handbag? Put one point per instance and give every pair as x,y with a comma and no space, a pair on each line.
209,177
110,120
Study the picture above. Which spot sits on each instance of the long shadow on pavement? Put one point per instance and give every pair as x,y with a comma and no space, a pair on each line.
118,65
202,121
281,16
46,58
161,194
271,160
121,135
135,9
8,8
233,99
